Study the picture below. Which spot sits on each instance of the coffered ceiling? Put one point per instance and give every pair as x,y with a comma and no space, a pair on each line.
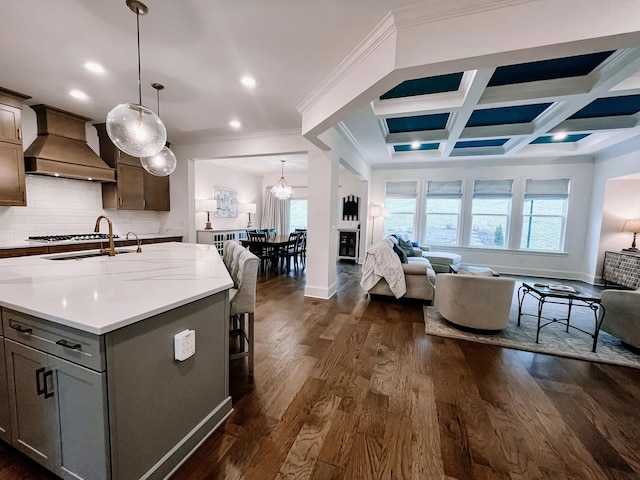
573,105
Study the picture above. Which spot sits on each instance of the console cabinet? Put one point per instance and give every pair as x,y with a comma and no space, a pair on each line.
218,237
12,179
135,188
621,269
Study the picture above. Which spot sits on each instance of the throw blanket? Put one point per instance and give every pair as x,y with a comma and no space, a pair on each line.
382,262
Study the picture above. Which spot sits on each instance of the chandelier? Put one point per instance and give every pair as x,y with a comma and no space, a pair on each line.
132,127
164,162
282,190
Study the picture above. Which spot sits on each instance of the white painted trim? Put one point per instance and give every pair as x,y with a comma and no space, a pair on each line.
324,293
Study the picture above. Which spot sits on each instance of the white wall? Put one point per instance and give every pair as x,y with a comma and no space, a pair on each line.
569,264
610,206
249,187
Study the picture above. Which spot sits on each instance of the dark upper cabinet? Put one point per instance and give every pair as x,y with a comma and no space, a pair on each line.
135,188
12,180
156,192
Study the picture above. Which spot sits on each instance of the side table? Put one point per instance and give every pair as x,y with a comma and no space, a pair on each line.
544,294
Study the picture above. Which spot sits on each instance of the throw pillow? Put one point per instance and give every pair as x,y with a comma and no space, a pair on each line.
401,255
415,244
406,247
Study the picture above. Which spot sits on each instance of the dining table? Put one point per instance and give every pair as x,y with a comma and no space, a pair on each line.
268,248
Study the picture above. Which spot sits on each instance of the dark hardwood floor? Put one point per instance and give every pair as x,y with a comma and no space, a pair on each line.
353,388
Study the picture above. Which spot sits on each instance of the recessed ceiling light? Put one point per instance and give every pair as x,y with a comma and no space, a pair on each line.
94,67
248,81
235,124
415,145
560,136
78,94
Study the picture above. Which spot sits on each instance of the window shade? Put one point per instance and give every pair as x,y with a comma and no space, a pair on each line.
558,188
401,189
492,188
449,188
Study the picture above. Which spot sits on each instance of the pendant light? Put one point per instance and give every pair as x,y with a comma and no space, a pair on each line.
132,127
282,190
164,162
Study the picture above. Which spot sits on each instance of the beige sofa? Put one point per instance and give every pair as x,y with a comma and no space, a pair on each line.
622,315
384,274
480,302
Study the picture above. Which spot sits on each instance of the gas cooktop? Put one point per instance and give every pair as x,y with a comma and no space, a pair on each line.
71,237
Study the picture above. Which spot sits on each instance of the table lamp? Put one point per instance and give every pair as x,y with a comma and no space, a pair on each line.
207,205
250,208
632,226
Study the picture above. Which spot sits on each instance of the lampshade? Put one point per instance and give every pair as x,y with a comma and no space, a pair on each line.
282,190
206,205
132,127
632,226
164,162
251,207
379,211
161,164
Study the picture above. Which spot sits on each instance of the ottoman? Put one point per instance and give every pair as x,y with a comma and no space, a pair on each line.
443,261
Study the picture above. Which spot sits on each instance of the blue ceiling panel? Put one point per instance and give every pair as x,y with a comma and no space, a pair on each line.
425,86
417,123
423,146
506,115
610,107
574,137
547,69
494,142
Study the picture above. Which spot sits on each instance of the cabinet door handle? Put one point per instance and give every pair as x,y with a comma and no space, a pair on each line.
67,344
120,200
40,389
19,134
22,329
47,393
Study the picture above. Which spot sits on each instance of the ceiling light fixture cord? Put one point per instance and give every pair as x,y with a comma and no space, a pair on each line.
139,68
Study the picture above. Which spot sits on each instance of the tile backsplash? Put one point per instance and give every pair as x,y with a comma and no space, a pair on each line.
61,205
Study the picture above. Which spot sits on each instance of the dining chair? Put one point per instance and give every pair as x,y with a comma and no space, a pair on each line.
242,304
260,248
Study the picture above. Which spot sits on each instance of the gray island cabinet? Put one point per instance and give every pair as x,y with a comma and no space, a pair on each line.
106,398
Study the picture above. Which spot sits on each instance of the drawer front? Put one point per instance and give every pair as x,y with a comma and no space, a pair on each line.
70,344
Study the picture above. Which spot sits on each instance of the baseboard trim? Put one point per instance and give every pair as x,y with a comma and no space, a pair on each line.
324,293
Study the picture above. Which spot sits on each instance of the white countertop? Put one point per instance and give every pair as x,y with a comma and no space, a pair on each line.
101,294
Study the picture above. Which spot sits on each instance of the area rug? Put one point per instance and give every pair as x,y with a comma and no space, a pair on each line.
554,340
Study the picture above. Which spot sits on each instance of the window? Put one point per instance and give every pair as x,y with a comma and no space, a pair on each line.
442,212
490,212
400,199
544,214
297,213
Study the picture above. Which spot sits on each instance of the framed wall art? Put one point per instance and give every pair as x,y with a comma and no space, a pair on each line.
227,199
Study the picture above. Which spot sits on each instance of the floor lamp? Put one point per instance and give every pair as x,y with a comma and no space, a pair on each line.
377,211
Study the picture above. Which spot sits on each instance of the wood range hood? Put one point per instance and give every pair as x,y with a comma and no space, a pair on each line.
61,150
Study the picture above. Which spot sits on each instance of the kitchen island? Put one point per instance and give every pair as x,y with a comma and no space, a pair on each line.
89,384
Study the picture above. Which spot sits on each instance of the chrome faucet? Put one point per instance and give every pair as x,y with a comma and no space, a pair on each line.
139,249
111,250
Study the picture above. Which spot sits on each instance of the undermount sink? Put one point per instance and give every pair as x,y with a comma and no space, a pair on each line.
81,255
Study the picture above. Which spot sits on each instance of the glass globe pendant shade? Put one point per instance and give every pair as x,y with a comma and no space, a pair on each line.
161,164
136,130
